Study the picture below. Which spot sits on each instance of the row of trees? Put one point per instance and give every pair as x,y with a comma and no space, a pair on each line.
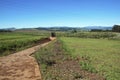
116,28
5,30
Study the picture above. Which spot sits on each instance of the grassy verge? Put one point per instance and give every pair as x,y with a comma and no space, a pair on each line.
46,58
99,55
57,64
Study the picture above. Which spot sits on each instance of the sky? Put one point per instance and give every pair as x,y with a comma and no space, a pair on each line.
48,13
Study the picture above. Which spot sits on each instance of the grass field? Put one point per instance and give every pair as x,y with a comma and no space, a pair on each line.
98,55
75,56
56,64
96,35
11,42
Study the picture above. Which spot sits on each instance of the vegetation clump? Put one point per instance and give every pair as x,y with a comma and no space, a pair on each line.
116,28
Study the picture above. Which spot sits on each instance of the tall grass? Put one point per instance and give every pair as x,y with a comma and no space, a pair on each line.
98,55
46,58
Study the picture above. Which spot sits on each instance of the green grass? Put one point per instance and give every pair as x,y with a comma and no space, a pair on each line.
56,64
45,58
11,42
95,35
98,55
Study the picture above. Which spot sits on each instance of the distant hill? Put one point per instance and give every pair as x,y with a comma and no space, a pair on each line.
61,28
57,28
97,27
65,28
7,29
27,30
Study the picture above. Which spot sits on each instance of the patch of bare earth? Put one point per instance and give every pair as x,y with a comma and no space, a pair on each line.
20,65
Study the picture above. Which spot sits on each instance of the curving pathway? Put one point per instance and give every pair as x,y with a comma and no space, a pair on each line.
20,65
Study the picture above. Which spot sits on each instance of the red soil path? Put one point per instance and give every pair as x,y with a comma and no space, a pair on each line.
20,65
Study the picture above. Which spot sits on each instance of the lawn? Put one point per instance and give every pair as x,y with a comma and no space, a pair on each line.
99,55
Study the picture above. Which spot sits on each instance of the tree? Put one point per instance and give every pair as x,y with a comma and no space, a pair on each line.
116,28
53,34
74,31
96,30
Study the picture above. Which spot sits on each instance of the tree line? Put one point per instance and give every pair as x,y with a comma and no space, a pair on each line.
116,28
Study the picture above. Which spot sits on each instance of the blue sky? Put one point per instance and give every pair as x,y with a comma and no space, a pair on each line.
47,13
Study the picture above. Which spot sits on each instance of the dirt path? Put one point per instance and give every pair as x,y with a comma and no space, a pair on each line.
20,65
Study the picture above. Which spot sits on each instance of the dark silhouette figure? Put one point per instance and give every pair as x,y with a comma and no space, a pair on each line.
53,34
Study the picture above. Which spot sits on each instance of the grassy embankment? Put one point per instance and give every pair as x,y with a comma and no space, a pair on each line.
99,55
57,64
11,42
